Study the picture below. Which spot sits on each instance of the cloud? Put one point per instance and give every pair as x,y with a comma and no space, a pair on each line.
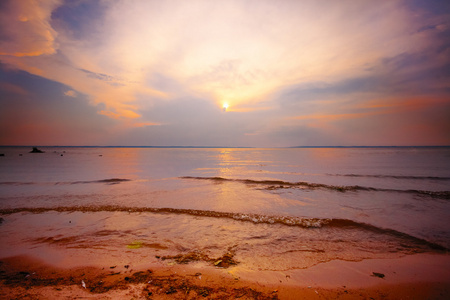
25,28
292,67
198,43
230,51
42,115
145,124
104,77
70,93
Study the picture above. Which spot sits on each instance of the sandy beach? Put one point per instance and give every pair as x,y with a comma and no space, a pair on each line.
420,276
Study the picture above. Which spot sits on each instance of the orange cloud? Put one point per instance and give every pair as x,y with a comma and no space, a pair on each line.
70,93
123,113
145,124
26,25
333,117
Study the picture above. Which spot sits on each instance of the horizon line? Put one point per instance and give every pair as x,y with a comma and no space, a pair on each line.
217,147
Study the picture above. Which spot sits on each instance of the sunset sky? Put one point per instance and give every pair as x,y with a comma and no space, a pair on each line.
158,73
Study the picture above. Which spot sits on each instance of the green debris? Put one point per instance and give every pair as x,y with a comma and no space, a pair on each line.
135,245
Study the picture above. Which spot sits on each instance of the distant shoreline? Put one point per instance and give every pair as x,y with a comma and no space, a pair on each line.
227,147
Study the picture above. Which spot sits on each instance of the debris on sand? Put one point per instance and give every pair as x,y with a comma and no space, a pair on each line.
187,258
225,261
135,245
375,274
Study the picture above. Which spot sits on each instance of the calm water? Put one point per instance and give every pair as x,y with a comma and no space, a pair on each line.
275,209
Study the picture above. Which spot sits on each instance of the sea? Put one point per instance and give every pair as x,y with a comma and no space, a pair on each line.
271,209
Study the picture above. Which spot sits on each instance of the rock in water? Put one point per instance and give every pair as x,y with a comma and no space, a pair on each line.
36,150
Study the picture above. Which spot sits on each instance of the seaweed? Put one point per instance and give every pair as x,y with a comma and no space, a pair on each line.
225,261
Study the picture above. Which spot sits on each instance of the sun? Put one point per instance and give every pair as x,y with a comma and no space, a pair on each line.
225,107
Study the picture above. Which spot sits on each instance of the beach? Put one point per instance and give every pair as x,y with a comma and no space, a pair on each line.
412,277
224,149
164,223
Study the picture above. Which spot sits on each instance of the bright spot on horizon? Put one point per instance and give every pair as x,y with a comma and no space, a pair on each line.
225,107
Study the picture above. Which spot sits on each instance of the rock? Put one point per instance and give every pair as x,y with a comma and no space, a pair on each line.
375,274
36,150
171,290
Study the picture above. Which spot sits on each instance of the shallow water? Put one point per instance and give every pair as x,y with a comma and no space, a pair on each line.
274,209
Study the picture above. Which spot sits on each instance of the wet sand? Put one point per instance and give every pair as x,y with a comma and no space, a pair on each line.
420,276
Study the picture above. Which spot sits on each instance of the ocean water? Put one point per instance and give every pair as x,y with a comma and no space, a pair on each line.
272,209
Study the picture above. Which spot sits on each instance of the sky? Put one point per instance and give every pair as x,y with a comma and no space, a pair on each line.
160,73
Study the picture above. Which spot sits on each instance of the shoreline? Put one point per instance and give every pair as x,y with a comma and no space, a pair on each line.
416,276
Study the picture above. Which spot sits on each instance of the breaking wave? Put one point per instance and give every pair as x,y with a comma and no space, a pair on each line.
279,184
306,223
106,181
395,177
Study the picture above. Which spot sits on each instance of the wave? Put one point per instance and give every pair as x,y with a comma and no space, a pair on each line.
306,223
437,178
279,184
106,181
17,183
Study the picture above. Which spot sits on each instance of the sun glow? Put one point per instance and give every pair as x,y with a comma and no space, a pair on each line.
225,107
